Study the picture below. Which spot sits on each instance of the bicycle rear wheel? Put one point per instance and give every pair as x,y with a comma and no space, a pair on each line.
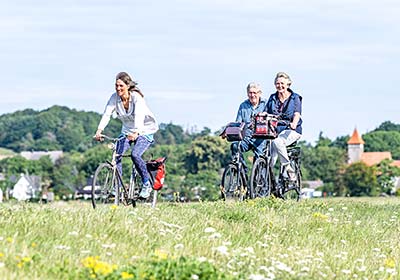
103,190
137,186
233,186
294,191
261,179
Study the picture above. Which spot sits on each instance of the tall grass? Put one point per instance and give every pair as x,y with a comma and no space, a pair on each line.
259,239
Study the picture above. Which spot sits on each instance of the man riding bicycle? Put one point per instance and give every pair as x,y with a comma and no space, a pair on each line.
247,109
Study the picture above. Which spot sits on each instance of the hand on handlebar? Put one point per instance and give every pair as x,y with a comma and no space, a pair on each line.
98,136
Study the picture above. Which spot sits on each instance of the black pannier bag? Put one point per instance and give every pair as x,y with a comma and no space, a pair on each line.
235,131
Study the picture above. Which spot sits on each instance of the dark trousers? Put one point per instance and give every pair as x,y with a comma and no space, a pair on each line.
139,146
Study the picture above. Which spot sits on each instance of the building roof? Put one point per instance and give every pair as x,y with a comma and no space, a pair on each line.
372,158
355,138
396,163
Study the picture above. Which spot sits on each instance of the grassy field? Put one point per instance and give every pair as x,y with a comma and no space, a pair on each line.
260,239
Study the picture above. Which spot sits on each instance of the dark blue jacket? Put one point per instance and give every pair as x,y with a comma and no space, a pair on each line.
290,106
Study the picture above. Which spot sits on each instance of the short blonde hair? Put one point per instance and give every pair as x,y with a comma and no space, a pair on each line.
254,85
283,75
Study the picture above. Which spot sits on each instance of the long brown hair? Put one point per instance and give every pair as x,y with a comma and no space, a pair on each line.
132,85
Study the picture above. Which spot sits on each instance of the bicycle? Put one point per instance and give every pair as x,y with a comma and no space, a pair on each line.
234,185
262,180
234,182
108,186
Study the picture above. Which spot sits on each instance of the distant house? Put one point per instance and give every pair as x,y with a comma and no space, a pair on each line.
355,151
35,155
27,187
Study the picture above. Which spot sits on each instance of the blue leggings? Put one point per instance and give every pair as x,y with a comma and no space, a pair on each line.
139,146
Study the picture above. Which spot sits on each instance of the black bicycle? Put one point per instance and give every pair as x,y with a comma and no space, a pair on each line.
108,186
263,182
234,182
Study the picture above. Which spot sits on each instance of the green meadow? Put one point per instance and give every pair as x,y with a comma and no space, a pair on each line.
345,238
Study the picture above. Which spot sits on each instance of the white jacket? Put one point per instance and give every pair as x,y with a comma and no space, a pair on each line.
138,118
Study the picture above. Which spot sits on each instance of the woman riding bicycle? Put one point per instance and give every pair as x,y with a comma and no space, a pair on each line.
287,104
138,125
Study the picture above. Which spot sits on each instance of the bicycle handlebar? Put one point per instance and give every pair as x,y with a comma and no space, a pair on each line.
103,136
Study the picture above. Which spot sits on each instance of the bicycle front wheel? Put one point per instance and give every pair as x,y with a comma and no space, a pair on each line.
103,185
261,179
233,187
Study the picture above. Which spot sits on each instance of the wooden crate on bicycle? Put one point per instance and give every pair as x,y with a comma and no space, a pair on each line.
265,126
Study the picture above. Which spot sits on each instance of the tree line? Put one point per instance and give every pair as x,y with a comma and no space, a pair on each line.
195,160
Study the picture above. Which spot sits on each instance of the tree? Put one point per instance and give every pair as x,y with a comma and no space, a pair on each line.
361,180
388,126
323,162
206,153
323,141
378,141
170,134
386,173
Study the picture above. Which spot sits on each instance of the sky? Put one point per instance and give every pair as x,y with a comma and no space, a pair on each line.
194,59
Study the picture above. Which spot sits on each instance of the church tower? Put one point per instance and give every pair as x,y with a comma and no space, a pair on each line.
355,147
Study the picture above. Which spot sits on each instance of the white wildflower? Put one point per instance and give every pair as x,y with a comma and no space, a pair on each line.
202,259
305,269
391,271
88,236
73,233
346,271
223,250
283,267
179,246
62,247
194,277
250,250
323,275
209,230
2,264
330,209
109,246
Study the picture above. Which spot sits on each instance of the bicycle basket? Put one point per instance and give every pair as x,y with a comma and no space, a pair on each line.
265,126
235,131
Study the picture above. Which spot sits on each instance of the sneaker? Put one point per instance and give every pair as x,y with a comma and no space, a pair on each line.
290,173
146,190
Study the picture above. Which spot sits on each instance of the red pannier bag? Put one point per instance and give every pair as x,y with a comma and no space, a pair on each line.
156,168
265,126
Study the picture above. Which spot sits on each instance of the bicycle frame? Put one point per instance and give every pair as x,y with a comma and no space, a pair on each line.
130,195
